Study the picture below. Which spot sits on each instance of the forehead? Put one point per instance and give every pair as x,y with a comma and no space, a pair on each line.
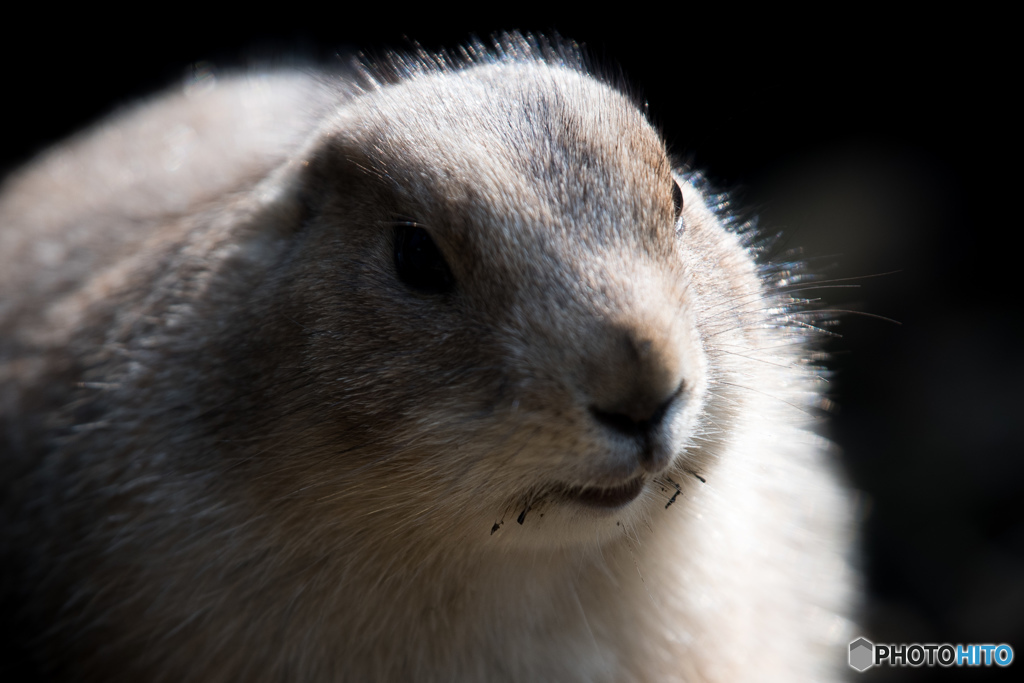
529,145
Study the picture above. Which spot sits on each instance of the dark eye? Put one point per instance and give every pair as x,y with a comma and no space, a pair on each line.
419,262
677,197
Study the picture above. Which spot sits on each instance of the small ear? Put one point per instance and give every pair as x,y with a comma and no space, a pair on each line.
337,168
267,221
278,206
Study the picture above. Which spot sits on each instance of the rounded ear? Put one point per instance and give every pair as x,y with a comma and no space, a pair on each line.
268,218
336,170
328,176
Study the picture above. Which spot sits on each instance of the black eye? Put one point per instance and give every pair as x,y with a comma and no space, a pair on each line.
677,197
419,262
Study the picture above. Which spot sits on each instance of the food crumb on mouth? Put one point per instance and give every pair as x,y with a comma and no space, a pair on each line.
522,515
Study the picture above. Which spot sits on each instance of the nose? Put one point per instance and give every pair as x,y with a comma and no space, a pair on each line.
636,377
639,416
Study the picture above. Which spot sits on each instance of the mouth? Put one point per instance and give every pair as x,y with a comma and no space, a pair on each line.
604,498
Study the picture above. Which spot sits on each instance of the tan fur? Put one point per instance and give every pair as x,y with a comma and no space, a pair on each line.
238,448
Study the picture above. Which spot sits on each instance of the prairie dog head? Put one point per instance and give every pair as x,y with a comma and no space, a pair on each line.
492,304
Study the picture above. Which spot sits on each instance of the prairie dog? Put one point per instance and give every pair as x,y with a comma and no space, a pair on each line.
447,375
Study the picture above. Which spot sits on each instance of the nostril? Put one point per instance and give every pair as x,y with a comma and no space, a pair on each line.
635,421
620,422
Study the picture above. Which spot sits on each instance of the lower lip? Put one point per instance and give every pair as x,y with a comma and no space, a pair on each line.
606,498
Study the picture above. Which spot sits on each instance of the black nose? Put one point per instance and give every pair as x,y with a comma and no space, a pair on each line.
637,418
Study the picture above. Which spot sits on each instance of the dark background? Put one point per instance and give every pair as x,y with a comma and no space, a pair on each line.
881,145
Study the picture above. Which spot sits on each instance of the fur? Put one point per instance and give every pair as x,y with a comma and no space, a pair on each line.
237,447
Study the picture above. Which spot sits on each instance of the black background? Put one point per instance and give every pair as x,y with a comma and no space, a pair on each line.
879,144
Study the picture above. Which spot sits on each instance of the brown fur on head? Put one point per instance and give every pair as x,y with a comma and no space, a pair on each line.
241,444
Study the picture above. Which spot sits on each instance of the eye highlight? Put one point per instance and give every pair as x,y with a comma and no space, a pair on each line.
419,263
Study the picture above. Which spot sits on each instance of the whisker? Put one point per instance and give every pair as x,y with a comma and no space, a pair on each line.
756,391
861,313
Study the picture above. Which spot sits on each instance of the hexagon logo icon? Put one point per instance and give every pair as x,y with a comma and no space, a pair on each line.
862,654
